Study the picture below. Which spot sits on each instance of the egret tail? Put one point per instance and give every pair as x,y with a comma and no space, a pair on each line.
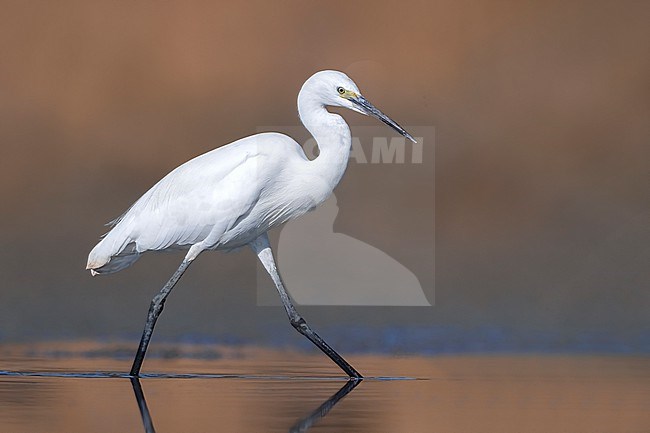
112,254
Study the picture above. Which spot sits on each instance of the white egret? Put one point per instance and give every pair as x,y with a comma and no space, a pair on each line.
233,195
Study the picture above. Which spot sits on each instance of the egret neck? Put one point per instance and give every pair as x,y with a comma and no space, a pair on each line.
332,136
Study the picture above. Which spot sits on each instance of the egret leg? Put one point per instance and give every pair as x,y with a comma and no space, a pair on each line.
262,248
157,305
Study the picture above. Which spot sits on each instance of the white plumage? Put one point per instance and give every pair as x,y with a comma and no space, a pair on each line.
222,199
231,196
227,197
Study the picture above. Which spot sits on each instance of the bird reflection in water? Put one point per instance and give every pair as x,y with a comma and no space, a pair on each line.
305,423
301,426
142,405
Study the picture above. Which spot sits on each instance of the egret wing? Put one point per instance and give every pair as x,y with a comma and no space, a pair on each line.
203,197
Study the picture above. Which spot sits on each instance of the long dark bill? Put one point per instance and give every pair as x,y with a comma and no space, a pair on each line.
371,110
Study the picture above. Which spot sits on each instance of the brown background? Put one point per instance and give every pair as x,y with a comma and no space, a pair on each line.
541,112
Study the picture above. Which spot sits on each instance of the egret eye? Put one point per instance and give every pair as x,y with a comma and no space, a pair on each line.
341,90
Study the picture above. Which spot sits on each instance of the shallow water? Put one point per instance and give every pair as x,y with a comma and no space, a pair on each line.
77,387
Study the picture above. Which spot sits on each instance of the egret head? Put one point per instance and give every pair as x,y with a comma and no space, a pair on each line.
334,88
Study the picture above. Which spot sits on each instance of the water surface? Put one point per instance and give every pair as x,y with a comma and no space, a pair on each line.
81,387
